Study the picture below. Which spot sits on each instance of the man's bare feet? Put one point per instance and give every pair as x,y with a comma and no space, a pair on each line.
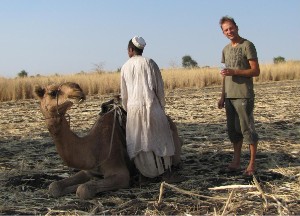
234,167
249,171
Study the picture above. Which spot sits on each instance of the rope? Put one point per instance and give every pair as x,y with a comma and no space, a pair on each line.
116,108
60,115
58,90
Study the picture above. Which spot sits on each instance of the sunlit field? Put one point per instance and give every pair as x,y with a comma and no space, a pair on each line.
29,161
104,83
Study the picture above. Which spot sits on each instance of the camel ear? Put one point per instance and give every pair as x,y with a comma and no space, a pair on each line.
39,92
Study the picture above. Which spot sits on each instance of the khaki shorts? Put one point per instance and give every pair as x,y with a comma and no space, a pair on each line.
240,121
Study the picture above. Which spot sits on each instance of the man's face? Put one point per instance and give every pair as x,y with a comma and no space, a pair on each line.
130,52
230,30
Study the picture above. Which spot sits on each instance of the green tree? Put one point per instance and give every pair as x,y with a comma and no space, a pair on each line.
278,59
22,73
188,62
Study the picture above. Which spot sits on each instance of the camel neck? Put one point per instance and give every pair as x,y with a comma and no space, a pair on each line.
74,150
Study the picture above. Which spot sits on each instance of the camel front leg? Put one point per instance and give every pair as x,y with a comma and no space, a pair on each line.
68,185
89,189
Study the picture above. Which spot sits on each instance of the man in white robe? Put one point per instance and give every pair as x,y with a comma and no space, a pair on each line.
148,135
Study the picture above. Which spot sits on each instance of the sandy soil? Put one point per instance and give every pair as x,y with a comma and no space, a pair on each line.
29,162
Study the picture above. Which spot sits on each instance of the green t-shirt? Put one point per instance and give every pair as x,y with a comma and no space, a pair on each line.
238,58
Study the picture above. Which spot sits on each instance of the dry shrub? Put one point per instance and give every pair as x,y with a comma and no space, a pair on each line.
96,83
289,70
4,91
104,83
91,84
198,77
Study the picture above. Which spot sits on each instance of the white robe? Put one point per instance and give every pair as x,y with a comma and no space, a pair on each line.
142,93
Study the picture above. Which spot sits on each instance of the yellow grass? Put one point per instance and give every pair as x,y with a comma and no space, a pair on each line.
103,83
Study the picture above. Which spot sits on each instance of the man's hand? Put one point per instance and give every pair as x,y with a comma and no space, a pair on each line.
227,72
221,103
252,72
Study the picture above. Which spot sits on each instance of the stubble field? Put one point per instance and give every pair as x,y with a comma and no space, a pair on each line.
29,162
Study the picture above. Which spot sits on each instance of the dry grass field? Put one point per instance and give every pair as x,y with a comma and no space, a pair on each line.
95,83
29,162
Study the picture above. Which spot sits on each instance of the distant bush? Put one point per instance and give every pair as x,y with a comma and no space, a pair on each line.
22,73
278,59
188,62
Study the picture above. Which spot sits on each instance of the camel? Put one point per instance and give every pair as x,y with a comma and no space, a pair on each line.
100,155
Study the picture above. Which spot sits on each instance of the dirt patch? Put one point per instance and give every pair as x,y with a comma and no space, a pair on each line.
29,162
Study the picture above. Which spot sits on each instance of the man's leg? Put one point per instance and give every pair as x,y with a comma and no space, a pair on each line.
236,161
236,138
245,108
251,166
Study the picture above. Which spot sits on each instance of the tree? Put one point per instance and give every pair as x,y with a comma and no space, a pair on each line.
278,59
98,68
22,73
188,62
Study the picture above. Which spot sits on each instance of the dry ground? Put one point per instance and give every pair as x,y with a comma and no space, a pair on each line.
29,163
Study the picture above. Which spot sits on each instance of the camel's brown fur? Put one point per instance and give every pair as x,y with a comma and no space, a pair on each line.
94,154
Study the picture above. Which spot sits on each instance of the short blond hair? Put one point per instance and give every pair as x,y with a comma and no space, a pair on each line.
226,19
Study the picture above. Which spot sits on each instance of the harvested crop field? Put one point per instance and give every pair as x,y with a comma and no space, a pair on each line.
29,162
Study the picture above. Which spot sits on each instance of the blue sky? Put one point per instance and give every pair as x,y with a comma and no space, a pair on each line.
68,36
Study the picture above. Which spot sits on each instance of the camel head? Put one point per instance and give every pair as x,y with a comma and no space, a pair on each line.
55,100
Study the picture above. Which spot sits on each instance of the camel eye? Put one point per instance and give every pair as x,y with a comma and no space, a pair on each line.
53,93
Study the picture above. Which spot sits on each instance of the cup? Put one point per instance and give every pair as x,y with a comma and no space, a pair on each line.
222,68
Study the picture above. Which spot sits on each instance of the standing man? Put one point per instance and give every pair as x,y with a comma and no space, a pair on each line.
241,62
148,135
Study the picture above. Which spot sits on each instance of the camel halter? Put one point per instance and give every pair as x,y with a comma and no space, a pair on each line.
66,114
56,96
57,112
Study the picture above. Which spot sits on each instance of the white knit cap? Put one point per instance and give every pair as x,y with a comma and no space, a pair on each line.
139,42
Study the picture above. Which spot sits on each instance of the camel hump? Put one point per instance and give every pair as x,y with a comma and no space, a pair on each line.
106,107
111,104
115,104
